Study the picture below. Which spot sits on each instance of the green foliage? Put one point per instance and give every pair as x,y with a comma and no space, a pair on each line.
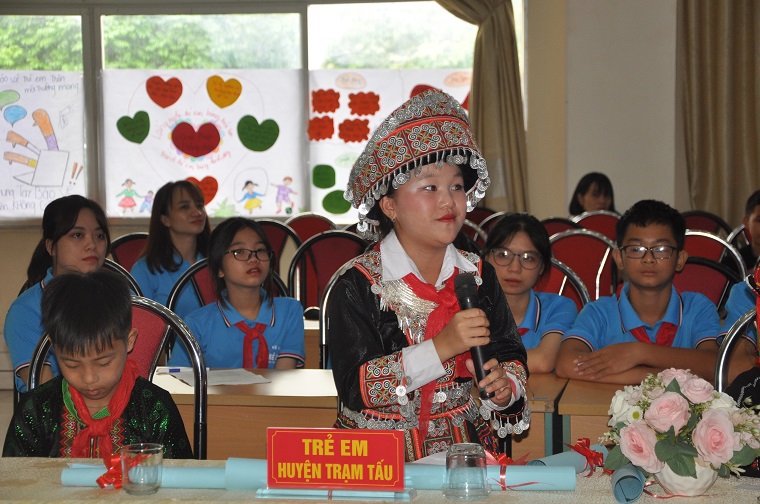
615,459
40,43
745,456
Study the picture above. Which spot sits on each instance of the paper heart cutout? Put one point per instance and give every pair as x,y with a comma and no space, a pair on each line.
257,137
223,93
209,186
7,97
195,144
164,93
134,129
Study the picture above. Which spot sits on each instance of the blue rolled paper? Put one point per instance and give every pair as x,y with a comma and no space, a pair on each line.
628,484
172,477
537,477
352,495
245,474
569,458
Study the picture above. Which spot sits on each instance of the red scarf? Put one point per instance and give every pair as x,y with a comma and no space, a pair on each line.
665,334
254,333
100,429
448,306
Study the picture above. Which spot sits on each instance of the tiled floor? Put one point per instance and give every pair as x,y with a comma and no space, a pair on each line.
6,411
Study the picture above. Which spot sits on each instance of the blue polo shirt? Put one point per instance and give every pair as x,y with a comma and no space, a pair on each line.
609,320
222,343
546,313
23,329
158,285
741,299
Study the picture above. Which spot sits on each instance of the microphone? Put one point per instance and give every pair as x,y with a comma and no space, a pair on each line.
467,294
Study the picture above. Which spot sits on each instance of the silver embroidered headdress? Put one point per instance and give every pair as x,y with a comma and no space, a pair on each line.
431,127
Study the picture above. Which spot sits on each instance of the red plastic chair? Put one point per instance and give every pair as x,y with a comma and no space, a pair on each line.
281,237
479,214
126,249
489,222
707,277
555,225
713,247
739,237
474,233
601,221
154,323
314,263
562,280
308,224
589,255
700,220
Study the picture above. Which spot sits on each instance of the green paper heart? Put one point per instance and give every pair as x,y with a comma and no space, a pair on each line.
8,96
135,130
257,137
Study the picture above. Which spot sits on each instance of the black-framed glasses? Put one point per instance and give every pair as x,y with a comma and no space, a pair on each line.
639,251
242,254
504,257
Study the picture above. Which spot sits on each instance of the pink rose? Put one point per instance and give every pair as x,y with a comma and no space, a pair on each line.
713,437
637,442
670,409
680,375
697,390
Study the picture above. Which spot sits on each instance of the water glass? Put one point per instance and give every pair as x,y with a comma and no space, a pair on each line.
142,466
466,472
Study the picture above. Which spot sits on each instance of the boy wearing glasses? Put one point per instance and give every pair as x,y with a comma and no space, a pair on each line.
649,326
247,327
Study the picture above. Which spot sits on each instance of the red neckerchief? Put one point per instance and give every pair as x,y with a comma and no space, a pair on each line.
448,305
100,429
522,331
254,333
665,334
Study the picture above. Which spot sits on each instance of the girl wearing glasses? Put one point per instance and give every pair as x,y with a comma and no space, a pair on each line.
248,326
518,248
178,236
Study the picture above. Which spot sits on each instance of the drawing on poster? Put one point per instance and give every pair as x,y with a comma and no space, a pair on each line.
45,156
210,127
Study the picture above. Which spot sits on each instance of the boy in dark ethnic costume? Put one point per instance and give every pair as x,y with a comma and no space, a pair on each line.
399,342
99,403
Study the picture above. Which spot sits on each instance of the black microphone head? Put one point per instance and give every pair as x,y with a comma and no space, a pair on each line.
465,286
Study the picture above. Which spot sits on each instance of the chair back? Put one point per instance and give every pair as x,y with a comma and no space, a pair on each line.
733,335
562,280
116,267
707,277
739,237
700,220
308,224
324,321
713,247
284,241
126,249
589,255
314,263
601,221
154,322
479,214
554,225
474,233
488,223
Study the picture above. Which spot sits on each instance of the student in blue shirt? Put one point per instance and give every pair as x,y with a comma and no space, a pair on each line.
741,299
650,326
178,236
518,248
75,238
247,327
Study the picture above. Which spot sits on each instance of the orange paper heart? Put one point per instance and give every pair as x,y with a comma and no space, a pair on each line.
223,93
164,93
208,185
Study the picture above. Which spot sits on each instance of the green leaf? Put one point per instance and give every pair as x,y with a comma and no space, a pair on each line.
665,450
745,456
683,466
673,386
686,449
724,471
615,459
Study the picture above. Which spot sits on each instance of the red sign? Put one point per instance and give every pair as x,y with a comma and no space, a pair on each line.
335,459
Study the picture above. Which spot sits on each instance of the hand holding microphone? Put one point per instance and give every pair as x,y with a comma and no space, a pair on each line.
467,294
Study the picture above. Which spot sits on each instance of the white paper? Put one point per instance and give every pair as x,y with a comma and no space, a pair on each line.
215,376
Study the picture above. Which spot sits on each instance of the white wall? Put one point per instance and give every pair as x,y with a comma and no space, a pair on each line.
619,99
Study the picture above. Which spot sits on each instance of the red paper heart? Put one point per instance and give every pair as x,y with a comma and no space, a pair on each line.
195,144
208,185
164,93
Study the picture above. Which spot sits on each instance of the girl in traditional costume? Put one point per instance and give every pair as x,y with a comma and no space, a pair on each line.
399,343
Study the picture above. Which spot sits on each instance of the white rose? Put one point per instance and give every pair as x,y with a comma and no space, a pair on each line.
619,409
723,401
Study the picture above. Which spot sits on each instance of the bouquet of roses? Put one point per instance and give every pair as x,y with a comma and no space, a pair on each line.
679,419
